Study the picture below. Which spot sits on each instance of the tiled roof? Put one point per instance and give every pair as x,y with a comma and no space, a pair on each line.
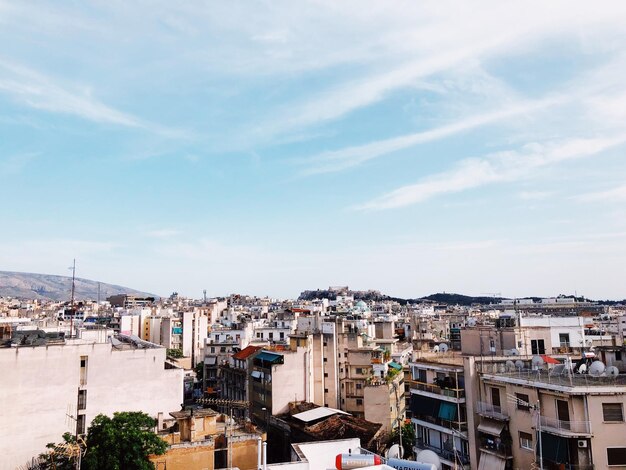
246,352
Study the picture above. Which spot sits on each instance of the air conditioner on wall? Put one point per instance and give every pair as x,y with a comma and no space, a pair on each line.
582,443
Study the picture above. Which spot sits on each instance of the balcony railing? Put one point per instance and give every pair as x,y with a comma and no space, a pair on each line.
447,454
496,446
491,411
457,393
565,427
454,426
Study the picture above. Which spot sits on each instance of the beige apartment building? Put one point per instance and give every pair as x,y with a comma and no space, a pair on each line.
580,418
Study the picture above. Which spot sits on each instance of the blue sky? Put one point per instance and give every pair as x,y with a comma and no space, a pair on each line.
271,147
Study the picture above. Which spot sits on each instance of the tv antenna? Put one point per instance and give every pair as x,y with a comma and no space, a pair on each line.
513,399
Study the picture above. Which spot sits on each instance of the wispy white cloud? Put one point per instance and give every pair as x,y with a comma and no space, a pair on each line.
343,159
14,164
535,195
164,233
612,195
41,92
500,167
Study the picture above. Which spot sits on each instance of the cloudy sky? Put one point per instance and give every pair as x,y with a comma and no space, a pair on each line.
271,147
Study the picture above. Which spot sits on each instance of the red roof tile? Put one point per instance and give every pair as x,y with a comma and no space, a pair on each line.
246,352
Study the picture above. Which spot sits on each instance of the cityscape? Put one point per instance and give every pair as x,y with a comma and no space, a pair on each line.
312,235
335,378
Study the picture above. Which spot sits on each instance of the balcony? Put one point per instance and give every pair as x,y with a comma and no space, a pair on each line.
446,454
490,411
451,394
442,425
496,447
566,428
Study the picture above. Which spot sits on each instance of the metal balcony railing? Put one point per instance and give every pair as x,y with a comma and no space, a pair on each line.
565,427
457,393
491,411
447,454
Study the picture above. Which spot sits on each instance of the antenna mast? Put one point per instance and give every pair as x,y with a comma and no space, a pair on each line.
72,310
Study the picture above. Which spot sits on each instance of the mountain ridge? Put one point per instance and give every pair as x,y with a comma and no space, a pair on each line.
37,286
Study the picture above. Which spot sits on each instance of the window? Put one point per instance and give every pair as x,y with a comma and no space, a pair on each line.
82,399
359,386
325,374
616,455
359,370
495,397
212,349
618,355
564,340
325,390
271,335
359,401
537,346
83,370
80,424
325,359
223,349
282,335
526,440
522,397
613,412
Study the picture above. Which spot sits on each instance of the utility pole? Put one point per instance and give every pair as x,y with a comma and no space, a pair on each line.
72,310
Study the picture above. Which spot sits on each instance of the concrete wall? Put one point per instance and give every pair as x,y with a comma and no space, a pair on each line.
290,380
40,386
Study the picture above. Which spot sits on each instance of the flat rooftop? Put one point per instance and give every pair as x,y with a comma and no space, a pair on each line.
574,384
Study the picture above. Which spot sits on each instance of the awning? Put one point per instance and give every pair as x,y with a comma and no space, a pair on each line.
549,360
491,426
554,448
491,462
395,365
211,360
421,405
256,374
267,356
447,411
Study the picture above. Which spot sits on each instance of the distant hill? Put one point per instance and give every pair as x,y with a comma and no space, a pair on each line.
51,287
442,298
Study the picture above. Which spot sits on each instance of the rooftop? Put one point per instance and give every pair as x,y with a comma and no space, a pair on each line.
574,384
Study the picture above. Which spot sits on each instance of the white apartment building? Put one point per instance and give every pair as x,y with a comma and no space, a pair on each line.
42,385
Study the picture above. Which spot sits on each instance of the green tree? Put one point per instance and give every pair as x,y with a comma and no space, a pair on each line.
122,442
408,438
61,456
174,353
199,369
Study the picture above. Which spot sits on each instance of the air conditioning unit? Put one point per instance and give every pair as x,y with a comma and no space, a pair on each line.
582,443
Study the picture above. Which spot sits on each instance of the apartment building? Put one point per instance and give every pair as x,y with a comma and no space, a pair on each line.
60,386
280,376
438,408
574,421
234,377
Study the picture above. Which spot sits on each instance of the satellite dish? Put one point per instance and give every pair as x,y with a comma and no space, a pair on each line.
514,352
428,457
394,452
537,362
582,369
510,366
519,364
436,349
612,371
471,322
596,368
443,347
